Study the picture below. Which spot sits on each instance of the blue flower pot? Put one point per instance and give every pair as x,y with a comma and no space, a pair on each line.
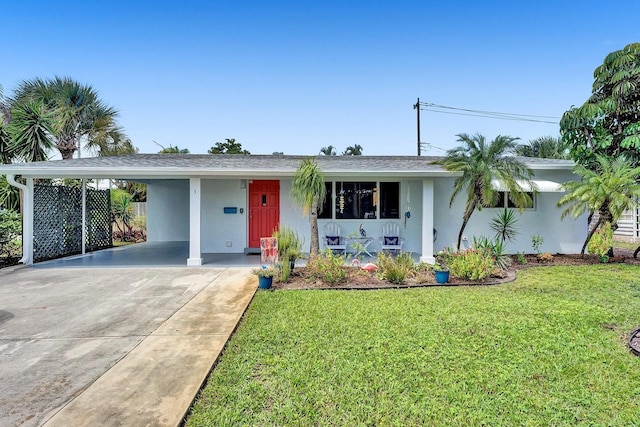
264,282
442,276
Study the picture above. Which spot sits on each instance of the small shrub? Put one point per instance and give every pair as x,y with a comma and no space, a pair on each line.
536,243
472,264
545,257
10,232
395,270
497,248
601,242
504,224
521,258
328,267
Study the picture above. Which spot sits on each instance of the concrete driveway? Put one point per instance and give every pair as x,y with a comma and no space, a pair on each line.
63,329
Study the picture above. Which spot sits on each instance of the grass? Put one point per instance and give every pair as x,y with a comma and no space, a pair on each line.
625,245
549,349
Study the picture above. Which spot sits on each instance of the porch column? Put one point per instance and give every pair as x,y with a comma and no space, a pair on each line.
427,222
195,256
27,218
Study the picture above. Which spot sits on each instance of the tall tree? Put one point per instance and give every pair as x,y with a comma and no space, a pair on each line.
608,123
30,131
546,147
353,150
172,150
609,188
308,191
479,162
6,154
328,151
79,114
230,146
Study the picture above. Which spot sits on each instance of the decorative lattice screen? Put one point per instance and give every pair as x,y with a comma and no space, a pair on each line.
57,222
99,231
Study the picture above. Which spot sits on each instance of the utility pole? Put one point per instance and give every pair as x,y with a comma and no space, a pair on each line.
417,108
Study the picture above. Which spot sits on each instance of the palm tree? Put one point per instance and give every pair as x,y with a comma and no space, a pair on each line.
480,162
610,189
78,112
328,151
6,154
30,130
353,150
546,147
173,150
308,191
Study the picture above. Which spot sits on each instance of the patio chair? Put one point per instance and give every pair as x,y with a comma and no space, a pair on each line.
390,239
333,239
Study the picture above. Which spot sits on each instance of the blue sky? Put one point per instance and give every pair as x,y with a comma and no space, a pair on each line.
294,76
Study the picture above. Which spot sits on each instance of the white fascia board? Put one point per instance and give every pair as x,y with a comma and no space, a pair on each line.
184,173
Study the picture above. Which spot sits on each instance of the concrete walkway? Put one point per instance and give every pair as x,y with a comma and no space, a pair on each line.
148,365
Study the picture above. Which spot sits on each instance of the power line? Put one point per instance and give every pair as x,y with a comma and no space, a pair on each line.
435,108
487,116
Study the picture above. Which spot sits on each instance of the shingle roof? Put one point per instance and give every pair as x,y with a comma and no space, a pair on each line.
186,165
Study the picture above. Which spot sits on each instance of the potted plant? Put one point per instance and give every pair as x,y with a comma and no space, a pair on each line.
265,276
440,268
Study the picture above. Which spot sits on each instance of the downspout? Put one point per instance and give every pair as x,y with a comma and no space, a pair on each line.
27,218
84,216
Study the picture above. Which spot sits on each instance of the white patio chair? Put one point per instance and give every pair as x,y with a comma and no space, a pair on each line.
390,239
333,239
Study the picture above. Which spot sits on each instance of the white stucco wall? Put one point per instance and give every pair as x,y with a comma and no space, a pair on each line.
168,210
168,216
560,236
223,233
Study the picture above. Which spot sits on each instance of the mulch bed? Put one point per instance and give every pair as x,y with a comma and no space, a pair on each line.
9,262
358,279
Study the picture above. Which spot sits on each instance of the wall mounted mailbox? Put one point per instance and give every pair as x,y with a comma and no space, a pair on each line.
228,210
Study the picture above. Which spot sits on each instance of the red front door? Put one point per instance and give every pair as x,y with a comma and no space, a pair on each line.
264,210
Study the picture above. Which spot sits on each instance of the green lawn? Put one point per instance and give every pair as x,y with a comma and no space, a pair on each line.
625,245
549,349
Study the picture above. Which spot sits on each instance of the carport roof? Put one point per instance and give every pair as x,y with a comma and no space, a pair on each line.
180,166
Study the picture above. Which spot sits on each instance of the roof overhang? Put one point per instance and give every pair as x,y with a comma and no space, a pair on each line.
184,166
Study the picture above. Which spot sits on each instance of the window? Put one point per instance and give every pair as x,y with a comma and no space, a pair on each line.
503,198
389,200
355,200
530,205
367,200
325,212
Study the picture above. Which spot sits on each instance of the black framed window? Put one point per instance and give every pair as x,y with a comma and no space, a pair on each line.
355,200
510,204
389,200
326,211
504,201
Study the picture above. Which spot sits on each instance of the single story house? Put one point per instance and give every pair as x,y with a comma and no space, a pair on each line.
225,203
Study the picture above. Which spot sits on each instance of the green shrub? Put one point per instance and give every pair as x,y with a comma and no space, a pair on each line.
10,231
289,249
328,267
536,243
10,225
601,242
496,247
472,264
395,269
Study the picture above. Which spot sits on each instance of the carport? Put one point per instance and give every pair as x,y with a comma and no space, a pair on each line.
150,254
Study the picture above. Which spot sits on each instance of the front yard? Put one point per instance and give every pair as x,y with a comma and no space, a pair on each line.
548,349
